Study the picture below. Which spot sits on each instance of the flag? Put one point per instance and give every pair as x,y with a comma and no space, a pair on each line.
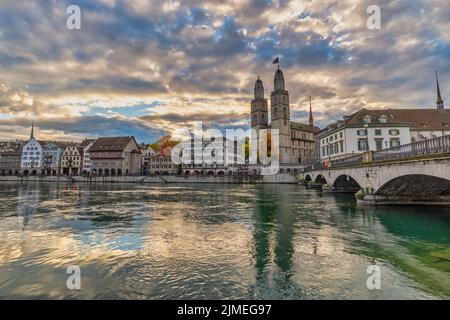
275,60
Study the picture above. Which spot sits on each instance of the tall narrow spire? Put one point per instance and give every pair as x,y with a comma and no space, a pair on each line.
32,131
439,102
311,119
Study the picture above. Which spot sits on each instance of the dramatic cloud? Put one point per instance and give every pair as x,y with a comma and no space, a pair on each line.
149,67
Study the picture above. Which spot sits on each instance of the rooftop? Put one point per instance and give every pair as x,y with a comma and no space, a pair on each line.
111,144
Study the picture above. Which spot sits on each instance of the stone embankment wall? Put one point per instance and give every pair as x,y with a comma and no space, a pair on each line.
279,178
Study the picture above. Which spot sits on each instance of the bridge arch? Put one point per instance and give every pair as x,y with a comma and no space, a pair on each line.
420,187
307,179
320,179
346,183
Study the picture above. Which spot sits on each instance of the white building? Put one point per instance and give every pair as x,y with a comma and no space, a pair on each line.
363,131
203,158
31,163
380,129
86,145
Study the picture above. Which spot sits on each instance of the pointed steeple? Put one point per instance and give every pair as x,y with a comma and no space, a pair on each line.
259,89
439,102
32,131
311,119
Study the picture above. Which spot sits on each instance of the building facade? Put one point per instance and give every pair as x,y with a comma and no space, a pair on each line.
147,153
85,146
111,156
381,129
51,161
10,161
31,161
205,157
161,163
363,131
296,140
72,160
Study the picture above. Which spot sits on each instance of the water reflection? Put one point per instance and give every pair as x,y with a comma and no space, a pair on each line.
215,241
28,202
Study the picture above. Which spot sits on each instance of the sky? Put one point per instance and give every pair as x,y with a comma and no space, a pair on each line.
147,68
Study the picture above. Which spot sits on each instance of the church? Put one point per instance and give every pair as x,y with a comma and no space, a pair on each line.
297,141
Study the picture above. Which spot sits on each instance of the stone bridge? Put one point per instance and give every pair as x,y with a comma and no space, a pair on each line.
420,178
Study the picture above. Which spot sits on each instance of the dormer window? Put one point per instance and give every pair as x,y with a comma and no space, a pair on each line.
383,119
367,119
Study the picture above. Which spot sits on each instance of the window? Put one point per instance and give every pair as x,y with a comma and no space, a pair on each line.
367,119
362,145
341,144
379,144
361,132
394,132
378,132
341,135
394,143
383,119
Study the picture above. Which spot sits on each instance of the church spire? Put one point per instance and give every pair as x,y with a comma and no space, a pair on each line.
439,102
259,89
32,131
311,119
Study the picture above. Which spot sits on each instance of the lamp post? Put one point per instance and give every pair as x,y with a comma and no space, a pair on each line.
329,151
366,128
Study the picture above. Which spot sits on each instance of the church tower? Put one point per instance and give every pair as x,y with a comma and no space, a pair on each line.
259,109
280,116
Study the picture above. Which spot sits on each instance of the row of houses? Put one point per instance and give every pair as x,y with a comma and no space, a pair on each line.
102,156
113,156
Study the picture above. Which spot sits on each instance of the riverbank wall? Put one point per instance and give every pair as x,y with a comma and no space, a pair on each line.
277,179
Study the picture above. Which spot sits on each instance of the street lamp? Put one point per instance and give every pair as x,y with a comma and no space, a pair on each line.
366,127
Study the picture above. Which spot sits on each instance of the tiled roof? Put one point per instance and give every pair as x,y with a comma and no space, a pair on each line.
358,117
111,144
304,127
86,142
423,119
428,119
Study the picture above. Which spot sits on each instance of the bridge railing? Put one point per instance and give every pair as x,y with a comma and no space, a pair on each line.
347,161
430,146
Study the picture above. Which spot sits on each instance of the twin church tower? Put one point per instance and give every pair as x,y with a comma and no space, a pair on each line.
296,139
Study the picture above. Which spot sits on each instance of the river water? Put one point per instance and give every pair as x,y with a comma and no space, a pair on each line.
216,242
